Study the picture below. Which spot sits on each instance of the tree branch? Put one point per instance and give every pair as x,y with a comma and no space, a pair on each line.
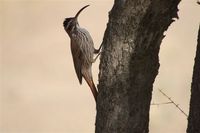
177,106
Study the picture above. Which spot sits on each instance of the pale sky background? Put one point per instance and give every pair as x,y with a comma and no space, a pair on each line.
40,92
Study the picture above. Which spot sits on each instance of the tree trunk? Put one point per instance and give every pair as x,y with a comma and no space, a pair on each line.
194,114
129,63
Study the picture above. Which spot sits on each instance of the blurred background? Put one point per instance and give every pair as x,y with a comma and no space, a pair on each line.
40,92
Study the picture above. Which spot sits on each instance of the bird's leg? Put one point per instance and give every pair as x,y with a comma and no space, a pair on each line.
96,57
96,51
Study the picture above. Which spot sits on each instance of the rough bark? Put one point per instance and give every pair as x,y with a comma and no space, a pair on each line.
194,113
129,63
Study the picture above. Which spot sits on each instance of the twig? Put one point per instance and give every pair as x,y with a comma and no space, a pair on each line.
161,103
177,106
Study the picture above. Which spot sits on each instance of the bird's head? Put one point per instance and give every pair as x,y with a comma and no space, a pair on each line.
71,23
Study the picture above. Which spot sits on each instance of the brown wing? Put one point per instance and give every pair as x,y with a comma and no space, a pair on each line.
77,55
86,45
82,48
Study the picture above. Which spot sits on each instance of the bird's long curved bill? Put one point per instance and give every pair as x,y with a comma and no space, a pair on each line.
80,11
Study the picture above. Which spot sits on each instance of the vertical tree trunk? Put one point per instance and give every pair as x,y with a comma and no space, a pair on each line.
194,114
129,63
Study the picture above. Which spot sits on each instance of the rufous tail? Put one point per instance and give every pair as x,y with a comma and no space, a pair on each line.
92,87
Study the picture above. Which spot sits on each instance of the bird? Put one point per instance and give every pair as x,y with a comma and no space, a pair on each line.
82,49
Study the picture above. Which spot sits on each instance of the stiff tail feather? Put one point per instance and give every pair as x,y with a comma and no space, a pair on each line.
92,87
